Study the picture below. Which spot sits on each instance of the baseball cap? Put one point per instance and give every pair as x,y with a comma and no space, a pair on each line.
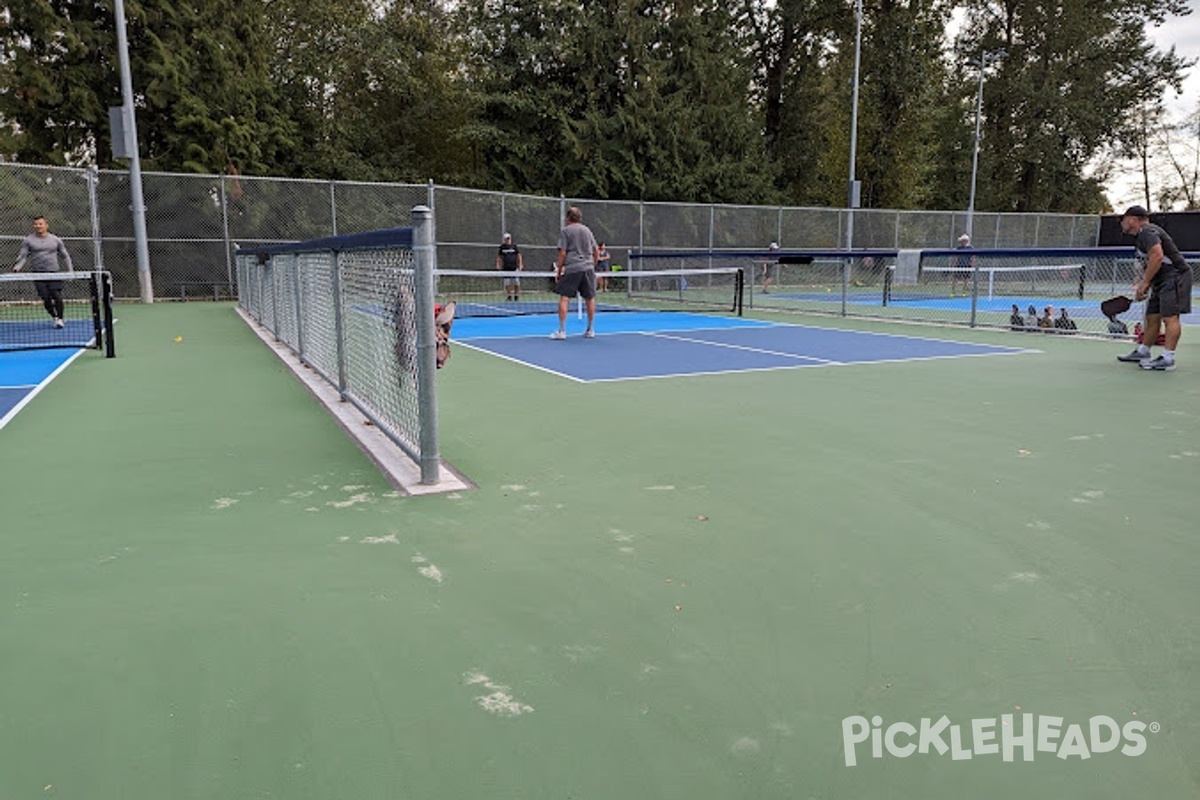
964,238
774,246
508,236
1136,211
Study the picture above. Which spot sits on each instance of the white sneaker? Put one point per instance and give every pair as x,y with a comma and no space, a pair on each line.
58,323
558,335
589,334
1160,364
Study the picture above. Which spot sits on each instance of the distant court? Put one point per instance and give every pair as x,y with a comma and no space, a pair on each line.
632,345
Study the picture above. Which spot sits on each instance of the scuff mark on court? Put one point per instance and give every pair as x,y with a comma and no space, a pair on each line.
428,570
350,501
1016,578
499,701
745,746
389,539
223,503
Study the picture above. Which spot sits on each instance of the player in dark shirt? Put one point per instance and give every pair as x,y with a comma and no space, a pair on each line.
1165,285
508,258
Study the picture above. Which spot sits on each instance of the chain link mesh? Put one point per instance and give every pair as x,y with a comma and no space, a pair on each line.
319,314
353,316
196,223
378,293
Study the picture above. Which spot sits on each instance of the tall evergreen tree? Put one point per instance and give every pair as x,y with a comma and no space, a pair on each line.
630,98
792,43
1072,77
403,107
203,98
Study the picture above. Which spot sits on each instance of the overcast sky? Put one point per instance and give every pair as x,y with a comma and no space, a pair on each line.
1184,34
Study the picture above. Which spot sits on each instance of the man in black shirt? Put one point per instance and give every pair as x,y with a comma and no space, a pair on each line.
1167,279
509,259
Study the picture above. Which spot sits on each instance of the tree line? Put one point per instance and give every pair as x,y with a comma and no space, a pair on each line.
730,101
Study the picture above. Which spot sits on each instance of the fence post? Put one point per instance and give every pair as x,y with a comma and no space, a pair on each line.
333,208
93,176
424,264
339,326
225,232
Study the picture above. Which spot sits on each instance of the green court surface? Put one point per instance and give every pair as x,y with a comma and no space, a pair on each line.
703,587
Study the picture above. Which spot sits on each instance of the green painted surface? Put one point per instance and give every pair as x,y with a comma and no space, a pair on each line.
208,592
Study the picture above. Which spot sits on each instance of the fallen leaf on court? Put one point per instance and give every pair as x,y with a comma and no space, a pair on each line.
702,518
679,608
1023,452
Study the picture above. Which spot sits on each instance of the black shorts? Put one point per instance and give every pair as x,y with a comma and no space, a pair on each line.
573,283
1171,296
49,290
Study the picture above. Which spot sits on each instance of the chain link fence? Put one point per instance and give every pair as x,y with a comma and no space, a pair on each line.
196,223
359,311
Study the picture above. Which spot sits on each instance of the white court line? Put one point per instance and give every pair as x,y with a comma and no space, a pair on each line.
904,336
759,325
812,361
37,389
807,366
761,350
467,343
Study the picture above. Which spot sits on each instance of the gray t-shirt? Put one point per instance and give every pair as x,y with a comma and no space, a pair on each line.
576,238
42,253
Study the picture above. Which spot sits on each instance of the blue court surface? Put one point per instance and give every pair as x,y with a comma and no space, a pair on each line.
659,344
25,373
14,334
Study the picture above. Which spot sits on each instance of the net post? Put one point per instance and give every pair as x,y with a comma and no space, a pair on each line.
339,325
975,291
424,265
94,298
106,295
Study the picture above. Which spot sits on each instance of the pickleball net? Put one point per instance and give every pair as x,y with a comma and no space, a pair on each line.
1043,281
495,293
56,310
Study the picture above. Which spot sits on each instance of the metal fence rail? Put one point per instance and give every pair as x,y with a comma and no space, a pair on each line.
1009,288
196,223
359,310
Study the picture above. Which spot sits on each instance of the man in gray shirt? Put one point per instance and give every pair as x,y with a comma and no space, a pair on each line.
576,270
42,250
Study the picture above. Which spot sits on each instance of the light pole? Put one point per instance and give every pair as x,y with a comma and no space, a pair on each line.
985,60
854,191
137,203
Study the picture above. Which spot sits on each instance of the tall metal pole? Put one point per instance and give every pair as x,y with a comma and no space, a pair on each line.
975,153
854,192
985,60
424,264
137,203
